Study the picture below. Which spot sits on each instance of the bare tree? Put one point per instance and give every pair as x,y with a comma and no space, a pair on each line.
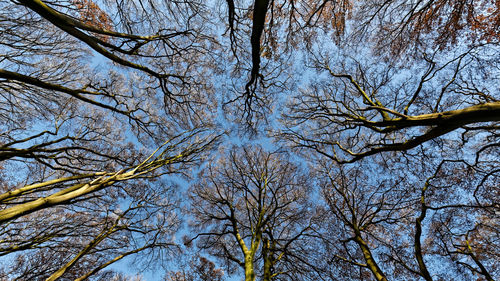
263,36
398,225
429,121
251,210
199,269
380,109
96,111
403,26
393,106
80,217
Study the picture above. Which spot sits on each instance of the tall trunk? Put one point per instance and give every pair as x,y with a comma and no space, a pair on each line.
268,260
249,269
370,261
418,245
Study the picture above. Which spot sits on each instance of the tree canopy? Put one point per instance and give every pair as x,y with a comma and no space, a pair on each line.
256,140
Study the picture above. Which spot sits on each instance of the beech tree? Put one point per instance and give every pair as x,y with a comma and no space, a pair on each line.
263,36
403,26
199,268
251,210
442,86
429,102
390,227
391,106
94,111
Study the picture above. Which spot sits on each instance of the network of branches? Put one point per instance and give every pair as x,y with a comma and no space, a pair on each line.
250,140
